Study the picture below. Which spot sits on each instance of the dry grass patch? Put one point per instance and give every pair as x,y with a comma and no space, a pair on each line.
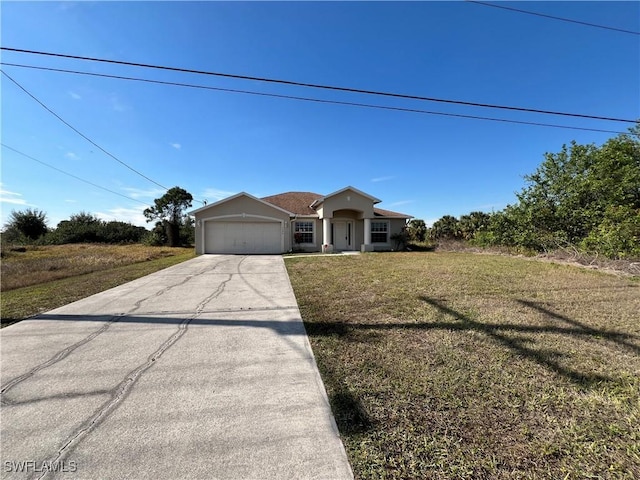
455,365
43,278
46,263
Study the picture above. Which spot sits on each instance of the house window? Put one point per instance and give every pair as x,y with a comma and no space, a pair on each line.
379,232
303,232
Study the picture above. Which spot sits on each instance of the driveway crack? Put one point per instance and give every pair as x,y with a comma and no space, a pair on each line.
65,352
61,355
246,282
121,391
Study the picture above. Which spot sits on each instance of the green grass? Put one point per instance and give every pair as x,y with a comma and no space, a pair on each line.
458,365
44,278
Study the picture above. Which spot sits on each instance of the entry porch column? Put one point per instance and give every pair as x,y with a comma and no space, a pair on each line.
367,246
327,247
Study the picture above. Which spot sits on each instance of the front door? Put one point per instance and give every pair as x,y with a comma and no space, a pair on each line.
342,232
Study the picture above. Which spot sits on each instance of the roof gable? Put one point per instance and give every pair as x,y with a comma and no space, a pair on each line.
354,190
237,195
342,190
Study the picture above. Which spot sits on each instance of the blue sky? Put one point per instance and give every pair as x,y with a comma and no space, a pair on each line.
215,143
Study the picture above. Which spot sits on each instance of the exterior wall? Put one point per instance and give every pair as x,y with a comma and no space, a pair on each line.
347,214
347,200
241,209
359,234
395,226
318,247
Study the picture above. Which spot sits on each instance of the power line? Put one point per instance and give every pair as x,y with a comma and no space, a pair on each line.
307,99
81,134
317,86
88,139
72,175
615,29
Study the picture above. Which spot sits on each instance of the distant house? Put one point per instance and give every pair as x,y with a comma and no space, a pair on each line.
341,221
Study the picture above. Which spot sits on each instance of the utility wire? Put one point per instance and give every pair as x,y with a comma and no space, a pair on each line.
72,175
307,99
554,18
312,85
81,134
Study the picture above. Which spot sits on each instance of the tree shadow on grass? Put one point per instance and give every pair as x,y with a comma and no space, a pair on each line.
351,417
348,411
500,333
582,329
542,357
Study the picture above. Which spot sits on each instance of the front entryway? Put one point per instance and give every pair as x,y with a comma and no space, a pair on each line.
342,235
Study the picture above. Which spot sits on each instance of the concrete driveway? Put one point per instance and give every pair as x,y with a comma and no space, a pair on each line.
202,370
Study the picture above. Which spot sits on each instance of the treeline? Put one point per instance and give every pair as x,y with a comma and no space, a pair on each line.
30,227
173,226
584,197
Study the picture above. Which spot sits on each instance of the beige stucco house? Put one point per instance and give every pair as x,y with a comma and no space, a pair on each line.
304,221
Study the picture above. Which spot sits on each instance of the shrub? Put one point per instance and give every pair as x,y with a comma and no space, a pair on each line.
617,236
25,226
401,240
87,228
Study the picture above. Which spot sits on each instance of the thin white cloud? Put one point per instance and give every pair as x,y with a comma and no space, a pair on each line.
72,156
74,95
13,198
123,214
141,193
401,202
215,194
177,146
69,200
382,179
117,104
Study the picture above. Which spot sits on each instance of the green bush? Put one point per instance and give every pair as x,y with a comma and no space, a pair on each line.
617,236
584,197
156,237
87,228
25,226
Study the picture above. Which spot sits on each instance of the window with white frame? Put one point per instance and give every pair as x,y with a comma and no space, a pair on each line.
379,232
303,232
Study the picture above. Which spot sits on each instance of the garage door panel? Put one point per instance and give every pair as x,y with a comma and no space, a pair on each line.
243,237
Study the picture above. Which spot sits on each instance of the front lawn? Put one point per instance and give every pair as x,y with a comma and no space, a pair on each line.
458,365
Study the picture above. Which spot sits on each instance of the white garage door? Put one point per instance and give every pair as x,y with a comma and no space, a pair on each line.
243,237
